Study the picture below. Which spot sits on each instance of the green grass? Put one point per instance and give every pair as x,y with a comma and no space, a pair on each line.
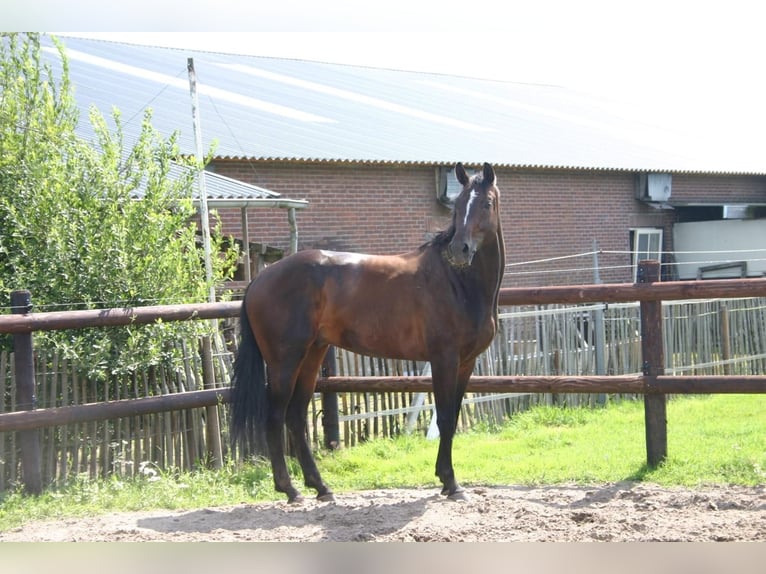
711,440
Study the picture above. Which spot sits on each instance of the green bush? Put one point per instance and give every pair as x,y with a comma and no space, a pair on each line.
73,232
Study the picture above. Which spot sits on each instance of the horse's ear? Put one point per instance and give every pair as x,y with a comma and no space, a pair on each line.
462,176
489,174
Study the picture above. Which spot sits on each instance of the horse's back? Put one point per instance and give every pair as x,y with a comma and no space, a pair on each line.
317,269
365,303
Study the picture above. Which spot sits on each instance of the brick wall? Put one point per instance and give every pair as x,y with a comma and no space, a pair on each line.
719,188
557,213
545,213
370,209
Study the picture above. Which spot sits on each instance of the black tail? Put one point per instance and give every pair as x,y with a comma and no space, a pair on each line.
249,398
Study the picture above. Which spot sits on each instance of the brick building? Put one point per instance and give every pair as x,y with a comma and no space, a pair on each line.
369,150
546,213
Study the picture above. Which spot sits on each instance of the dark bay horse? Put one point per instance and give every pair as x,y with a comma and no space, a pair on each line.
437,303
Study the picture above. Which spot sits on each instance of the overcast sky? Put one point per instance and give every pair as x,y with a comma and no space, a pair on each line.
696,64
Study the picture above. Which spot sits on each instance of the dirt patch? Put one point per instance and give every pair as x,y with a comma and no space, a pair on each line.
615,512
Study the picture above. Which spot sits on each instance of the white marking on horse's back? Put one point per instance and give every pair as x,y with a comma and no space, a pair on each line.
474,195
344,257
353,258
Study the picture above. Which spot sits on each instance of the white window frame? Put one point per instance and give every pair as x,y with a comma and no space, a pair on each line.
647,244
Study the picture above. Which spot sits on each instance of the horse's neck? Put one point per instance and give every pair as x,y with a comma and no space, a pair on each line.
493,262
501,263
481,281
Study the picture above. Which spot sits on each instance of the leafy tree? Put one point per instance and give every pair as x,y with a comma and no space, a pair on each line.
71,230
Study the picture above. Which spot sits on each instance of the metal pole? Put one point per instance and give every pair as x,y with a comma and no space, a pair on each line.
213,427
203,213
26,398
246,245
293,230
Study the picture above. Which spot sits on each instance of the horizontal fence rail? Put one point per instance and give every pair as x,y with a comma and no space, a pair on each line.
509,296
652,383
629,292
94,412
55,321
618,384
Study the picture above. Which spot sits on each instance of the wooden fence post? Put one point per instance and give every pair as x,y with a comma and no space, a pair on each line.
212,423
653,356
26,399
723,317
330,422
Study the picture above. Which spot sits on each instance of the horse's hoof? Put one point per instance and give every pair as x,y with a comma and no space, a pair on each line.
296,499
458,496
326,497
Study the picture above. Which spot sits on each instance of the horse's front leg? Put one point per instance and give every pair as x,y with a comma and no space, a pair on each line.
449,384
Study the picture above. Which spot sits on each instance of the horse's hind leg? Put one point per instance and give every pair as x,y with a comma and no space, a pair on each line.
281,384
296,421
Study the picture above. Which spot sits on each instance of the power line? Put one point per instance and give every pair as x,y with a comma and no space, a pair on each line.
549,259
568,270
611,252
142,109
632,254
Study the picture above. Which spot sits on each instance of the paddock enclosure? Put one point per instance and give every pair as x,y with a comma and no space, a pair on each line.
555,345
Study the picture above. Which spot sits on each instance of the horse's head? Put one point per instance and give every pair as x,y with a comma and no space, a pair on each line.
477,213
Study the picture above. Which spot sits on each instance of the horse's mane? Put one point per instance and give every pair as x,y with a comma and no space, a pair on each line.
441,239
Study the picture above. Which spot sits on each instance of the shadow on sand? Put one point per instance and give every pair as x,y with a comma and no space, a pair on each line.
312,520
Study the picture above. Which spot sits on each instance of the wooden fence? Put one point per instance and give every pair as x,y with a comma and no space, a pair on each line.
128,440
163,438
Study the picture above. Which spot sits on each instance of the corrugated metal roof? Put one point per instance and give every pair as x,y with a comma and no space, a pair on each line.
222,191
292,110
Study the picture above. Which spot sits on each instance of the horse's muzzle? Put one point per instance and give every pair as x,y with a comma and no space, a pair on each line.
461,253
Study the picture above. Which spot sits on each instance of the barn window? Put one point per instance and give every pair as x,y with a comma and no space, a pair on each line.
645,243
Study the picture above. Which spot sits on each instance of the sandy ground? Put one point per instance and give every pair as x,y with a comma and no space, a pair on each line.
612,512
